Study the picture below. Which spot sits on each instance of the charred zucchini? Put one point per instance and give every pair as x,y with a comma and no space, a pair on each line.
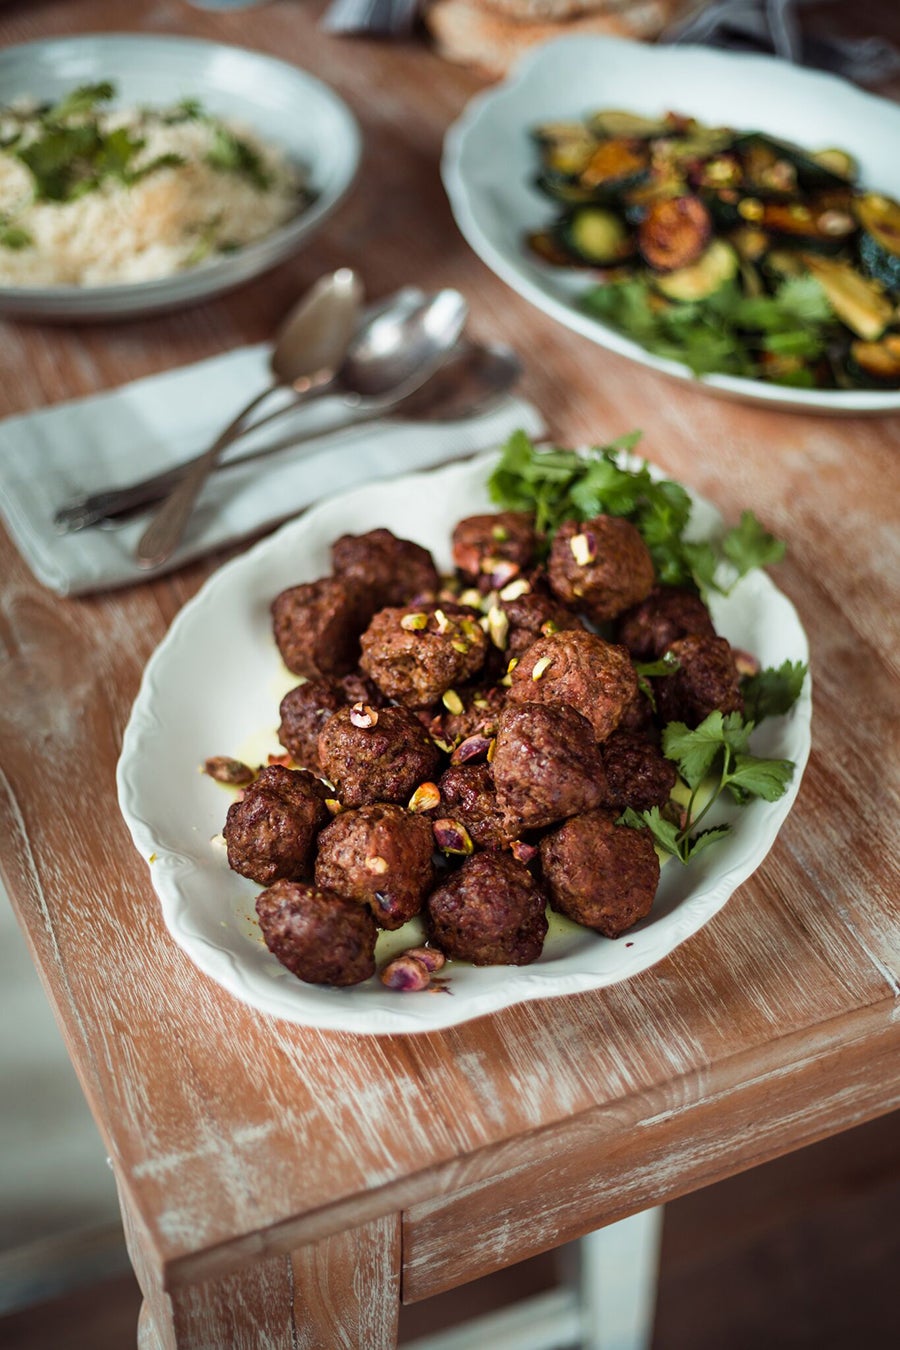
674,233
596,237
613,122
712,270
545,244
858,301
878,361
615,165
777,166
879,246
824,228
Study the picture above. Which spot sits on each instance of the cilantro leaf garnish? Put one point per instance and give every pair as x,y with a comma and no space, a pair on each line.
711,759
774,691
558,485
232,154
13,236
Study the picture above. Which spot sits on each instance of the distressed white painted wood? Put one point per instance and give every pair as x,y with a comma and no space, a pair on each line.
617,1282
236,1140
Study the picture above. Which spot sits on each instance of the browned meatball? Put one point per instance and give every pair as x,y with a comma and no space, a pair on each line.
638,775
381,855
601,566
580,669
317,625
468,796
600,874
546,765
305,709
667,614
395,570
270,832
415,655
321,937
490,550
706,680
534,614
490,912
481,708
382,760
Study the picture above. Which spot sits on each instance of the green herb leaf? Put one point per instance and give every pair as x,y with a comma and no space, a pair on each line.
231,154
80,101
750,545
772,692
753,777
13,236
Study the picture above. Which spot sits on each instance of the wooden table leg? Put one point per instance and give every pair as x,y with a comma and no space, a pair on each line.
348,1289
340,1293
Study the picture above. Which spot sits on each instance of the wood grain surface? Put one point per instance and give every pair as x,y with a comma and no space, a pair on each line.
237,1138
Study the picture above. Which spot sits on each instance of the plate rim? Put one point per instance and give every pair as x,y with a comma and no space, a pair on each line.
124,299
411,1017
784,398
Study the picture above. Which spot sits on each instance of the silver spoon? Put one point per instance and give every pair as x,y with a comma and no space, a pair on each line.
473,378
91,507
308,348
392,354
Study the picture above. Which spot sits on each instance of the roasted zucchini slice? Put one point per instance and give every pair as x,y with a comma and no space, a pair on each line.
824,228
837,162
596,237
879,245
712,270
674,233
614,122
858,301
545,244
878,361
615,165
563,188
776,167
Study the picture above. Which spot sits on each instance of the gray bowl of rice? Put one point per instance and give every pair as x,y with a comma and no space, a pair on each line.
140,174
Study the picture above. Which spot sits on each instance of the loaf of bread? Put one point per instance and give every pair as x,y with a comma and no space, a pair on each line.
492,34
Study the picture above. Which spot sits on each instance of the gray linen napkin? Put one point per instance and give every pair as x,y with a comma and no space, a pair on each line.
49,456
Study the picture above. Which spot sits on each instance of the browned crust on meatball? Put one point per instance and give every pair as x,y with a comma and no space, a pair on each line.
271,831
384,762
395,570
468,797
577,668
490,912
319,936
546,765
490,549
417,665
305,709
706,681
317,625
601,566
667,614
380,855
637,774
600,874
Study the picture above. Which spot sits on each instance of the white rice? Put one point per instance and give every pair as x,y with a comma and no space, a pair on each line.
175,217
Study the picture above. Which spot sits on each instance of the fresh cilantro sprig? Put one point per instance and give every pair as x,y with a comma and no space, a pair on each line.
774,691
558,485
712,759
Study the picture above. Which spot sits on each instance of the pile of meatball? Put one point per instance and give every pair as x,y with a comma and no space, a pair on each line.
464,746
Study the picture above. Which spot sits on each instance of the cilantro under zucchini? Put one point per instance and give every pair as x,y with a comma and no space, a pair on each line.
714,758
684,223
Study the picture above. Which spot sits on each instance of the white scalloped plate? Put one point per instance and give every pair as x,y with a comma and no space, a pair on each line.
283,104
213,687
489,165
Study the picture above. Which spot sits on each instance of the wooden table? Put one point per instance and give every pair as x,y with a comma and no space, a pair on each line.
288,1187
